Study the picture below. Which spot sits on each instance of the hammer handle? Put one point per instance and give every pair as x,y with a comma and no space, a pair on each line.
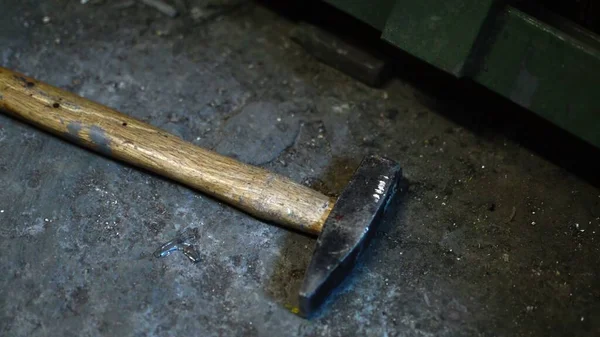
263,194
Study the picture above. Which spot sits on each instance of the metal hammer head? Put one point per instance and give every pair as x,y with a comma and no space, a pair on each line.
352,221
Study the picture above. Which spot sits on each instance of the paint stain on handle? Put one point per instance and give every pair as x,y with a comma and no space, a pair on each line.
99,138
73,129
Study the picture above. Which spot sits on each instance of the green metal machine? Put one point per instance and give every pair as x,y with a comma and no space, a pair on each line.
544,63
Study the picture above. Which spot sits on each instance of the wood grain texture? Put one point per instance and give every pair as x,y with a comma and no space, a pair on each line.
257,191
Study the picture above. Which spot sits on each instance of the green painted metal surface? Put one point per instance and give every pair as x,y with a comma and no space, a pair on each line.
442,33
546,70
551,69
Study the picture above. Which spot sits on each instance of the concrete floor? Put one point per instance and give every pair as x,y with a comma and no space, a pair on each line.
489,240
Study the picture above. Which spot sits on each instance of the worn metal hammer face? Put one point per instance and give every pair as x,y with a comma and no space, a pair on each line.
343,226
347,230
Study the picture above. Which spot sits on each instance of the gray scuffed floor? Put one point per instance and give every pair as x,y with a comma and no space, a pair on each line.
489,239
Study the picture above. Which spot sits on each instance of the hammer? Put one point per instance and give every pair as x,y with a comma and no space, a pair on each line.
343,226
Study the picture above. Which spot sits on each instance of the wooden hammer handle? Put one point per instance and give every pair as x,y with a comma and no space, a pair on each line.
263,194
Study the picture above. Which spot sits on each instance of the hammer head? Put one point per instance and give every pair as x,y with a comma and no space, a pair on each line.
347,230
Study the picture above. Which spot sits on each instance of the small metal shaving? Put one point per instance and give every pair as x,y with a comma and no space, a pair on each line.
181,243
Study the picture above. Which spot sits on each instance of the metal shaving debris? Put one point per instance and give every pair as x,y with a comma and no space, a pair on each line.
180,244
512,214
162,7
